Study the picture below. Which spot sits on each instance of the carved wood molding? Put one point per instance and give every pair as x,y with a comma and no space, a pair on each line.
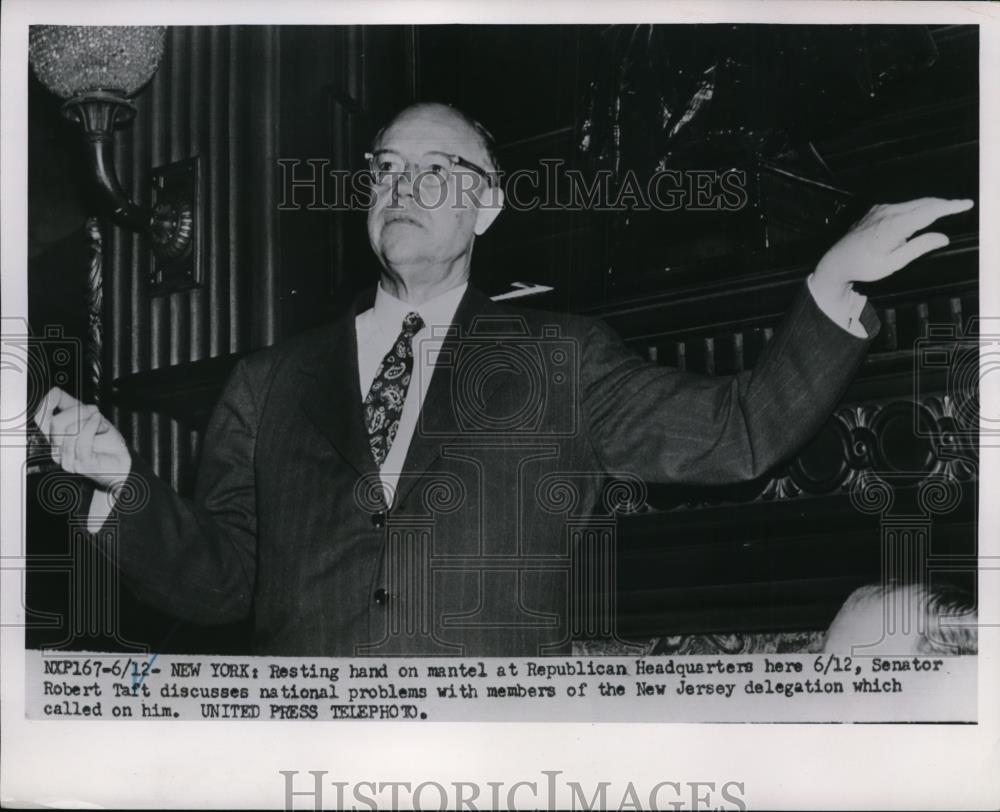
921,440
95,312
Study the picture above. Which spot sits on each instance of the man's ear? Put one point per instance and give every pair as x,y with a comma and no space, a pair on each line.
489,210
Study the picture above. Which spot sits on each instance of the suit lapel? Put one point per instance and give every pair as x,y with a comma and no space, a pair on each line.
437,425
332,399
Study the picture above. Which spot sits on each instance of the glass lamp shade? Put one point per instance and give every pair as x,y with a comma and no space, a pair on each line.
97,69
74,60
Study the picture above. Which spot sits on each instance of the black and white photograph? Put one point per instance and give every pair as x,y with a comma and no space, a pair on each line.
424,370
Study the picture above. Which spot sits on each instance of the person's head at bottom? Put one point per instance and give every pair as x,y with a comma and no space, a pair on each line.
904,619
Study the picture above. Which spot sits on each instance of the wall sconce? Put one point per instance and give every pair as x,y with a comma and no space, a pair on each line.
97,69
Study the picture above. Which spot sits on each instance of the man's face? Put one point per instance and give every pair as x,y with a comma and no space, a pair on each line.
415,221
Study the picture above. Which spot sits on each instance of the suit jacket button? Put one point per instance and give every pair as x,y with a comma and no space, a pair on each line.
381,597
378,519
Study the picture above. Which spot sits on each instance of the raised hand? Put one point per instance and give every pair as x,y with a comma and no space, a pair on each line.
82,441
880,243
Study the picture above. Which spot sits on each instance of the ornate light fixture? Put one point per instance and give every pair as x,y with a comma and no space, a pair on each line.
97,69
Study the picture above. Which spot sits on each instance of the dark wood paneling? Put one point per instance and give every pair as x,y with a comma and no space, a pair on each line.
215,96
526,85
338,85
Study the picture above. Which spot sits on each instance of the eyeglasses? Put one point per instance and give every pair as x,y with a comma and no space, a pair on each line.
385,165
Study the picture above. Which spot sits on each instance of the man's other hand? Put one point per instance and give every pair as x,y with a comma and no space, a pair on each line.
880,243
82,441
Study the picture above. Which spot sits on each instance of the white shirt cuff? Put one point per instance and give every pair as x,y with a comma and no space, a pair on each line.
101,505
845,313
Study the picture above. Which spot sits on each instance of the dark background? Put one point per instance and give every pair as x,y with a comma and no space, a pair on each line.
823,121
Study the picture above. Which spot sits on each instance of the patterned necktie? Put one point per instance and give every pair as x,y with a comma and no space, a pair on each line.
383,405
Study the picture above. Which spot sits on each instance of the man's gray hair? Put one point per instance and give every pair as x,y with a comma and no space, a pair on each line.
948,613
486,138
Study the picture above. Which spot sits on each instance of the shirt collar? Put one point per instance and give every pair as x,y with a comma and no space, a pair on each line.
389,311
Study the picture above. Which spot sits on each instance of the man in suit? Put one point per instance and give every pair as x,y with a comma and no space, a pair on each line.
420,477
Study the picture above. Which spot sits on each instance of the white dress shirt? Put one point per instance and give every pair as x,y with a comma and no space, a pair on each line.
377,329
845,313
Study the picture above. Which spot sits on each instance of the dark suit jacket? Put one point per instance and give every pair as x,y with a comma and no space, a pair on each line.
504,511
